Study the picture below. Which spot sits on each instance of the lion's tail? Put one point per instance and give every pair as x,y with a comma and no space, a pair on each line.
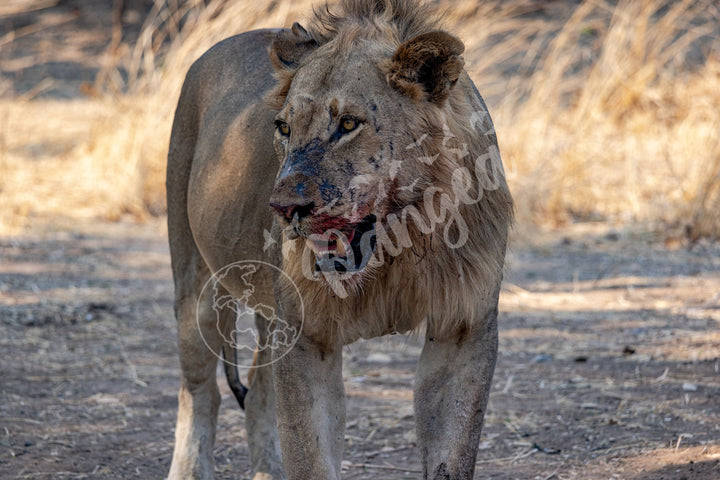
232,374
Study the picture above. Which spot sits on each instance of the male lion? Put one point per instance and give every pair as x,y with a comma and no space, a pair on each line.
358,158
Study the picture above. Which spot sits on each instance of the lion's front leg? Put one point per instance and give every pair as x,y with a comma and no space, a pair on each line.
311,410
199,397
451,393
260,414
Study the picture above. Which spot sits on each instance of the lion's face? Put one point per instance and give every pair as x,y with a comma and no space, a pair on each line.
336,142
343,138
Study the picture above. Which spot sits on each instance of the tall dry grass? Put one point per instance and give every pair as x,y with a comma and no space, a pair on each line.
144,85
631,131
604,110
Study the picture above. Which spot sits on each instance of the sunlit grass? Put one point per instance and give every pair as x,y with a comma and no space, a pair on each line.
611,114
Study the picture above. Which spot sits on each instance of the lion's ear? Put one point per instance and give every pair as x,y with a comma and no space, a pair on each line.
290,47
426,67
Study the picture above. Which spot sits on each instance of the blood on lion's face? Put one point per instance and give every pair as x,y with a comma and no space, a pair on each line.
345,164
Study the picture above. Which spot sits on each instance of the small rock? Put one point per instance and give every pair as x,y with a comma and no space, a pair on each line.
542,358
628,350
689,387
379,358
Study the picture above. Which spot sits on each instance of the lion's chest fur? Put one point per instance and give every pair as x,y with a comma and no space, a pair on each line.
446,289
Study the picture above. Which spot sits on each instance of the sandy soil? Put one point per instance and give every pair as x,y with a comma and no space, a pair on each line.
609,363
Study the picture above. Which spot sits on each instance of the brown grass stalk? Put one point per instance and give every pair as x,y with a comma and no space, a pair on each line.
610,113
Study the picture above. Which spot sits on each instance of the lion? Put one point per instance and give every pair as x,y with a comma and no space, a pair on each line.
357,157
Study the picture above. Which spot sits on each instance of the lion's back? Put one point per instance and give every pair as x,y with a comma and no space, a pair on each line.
238,67
221,164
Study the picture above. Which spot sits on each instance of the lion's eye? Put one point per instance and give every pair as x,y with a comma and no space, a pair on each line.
283,128
348,124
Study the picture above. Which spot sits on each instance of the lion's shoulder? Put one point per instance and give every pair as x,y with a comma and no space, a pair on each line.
240,63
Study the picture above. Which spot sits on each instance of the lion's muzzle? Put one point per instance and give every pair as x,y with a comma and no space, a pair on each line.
339,244
292,215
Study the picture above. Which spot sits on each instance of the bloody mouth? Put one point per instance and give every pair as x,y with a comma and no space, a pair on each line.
341,246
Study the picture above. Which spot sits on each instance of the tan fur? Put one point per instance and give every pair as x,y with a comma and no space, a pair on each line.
421,146
459,276
251,370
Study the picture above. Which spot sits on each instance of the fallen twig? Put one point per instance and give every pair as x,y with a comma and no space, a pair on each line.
381,467
389,450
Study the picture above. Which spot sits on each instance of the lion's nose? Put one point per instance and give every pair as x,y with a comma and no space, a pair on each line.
290,209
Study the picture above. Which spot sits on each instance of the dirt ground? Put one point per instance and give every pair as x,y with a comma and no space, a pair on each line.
609,362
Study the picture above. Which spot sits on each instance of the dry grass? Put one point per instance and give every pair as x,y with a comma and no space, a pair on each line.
610,113
633,134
